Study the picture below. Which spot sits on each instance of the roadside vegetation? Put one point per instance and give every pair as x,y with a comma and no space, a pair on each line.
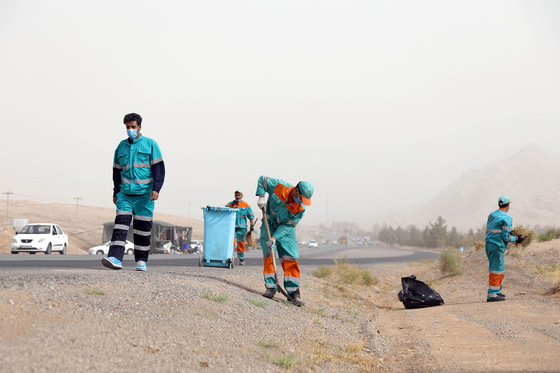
549,235
216,297
451,262
344,273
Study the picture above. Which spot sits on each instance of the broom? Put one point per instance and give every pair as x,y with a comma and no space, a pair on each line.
250,237
265,220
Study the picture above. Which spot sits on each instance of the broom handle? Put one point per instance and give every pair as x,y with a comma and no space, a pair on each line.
265,220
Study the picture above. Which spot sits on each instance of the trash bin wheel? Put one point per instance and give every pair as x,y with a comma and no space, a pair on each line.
231,263
200,260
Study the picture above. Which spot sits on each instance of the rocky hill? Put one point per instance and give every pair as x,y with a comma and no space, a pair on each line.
529,177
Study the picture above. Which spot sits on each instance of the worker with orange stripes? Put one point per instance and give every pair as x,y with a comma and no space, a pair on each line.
284,209
242,215
498,234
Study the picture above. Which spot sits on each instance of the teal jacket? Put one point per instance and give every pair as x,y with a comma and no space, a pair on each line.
282,212
498,229
243,214
138,167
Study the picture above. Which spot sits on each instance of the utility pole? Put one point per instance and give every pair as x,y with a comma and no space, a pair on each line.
7,205
189,214
77,200
327,214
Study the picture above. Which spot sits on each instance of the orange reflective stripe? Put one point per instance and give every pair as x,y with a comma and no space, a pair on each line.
268,266
284,193
495,280
291,268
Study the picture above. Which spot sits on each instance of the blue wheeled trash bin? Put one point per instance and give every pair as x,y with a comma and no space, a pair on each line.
219,235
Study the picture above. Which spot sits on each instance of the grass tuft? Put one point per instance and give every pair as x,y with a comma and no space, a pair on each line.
344,273
285,361
258,303
265,344
216,297
450,262
549,235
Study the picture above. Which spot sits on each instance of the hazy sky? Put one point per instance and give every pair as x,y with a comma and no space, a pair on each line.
379,104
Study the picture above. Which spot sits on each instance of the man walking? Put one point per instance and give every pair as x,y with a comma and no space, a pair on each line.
138,175
284,209
498,234
242,215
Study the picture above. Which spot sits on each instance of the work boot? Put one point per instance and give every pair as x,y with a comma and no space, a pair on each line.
269,293
297,300
241,262
497,298
501,295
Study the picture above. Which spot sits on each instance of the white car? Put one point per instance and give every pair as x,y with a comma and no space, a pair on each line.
40,238
104,249
312,243
196,246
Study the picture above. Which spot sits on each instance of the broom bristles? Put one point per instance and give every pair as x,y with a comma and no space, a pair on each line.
251,241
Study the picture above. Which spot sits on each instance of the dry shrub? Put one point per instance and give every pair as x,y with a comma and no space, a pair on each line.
525,232
549,235
554,290
344,273
450,262
478,245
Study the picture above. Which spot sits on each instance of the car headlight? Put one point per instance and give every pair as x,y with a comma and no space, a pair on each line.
14,240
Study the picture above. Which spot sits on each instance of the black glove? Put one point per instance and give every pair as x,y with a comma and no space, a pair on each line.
252,229
520,239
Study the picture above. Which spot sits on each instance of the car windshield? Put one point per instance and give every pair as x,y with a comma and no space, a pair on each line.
36,229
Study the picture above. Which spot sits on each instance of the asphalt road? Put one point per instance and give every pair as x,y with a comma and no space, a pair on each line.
323,255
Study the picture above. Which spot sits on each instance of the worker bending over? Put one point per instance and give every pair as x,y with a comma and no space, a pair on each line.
284,209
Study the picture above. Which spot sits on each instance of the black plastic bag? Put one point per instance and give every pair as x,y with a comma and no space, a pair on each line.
416,294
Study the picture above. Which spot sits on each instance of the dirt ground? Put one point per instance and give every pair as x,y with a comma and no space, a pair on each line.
469,334
183,327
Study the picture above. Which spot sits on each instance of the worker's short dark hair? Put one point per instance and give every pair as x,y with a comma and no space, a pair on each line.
133,117
502,205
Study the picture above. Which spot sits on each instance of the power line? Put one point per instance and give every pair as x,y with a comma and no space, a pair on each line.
7,205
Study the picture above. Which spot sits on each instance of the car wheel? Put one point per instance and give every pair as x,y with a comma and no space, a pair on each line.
49,250
99,252
15,252
130,252
32,253
63,252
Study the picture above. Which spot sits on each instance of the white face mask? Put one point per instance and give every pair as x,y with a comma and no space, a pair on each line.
298,200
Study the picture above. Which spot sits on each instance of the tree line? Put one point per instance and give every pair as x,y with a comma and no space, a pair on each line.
434,234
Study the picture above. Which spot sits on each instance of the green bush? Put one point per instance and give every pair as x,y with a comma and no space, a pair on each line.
450,262
344,273
322,272
549,235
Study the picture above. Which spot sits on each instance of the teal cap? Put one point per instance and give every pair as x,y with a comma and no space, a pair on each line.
503,200
306,189
238,191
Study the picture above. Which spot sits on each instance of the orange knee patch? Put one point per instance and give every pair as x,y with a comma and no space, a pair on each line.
241,246
495,280
268,266
291,268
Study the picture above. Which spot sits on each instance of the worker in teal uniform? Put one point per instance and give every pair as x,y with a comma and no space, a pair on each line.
138,175
284,209
498,235
242,215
